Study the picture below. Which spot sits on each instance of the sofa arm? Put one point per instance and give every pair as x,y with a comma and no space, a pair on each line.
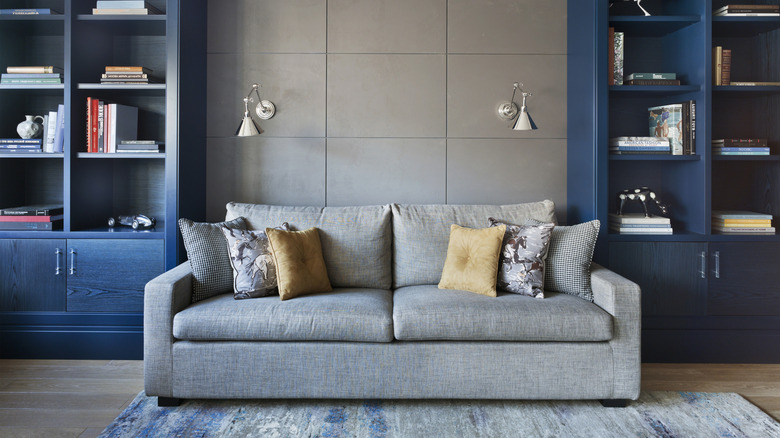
164,296
622,299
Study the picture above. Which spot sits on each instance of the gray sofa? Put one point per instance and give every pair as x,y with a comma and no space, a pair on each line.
386,331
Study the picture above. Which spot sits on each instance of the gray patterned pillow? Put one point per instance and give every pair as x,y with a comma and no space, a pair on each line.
254,271
569,258
208,254
521,266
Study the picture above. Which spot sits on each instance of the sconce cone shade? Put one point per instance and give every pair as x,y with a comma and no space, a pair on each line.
524,122
248,127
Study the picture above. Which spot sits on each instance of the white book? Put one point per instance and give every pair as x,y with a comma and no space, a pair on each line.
638,218
51,129
622,230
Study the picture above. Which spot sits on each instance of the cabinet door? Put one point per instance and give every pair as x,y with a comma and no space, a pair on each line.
671,275
108,275
744,279
29,276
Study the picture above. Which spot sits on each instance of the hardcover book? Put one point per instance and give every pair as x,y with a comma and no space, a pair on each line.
667,121
31,226
33,210
633,76
652,82
740,214
618,58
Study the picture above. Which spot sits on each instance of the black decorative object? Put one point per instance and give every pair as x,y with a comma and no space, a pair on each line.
136,221
635,7
643,195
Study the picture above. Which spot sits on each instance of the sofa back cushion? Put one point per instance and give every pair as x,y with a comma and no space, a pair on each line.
356,241
421,233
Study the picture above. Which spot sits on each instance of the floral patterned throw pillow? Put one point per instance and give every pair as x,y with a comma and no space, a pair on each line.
254,272
523,253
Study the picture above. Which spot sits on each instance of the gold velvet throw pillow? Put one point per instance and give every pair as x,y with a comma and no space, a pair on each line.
472,259
300,267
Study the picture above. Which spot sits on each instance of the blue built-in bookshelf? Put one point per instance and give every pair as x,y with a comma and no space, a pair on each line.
77,291
707,297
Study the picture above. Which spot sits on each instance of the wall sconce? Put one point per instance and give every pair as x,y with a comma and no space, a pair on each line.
265,110
508,111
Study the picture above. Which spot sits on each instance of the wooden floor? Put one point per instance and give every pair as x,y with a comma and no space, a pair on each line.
57,398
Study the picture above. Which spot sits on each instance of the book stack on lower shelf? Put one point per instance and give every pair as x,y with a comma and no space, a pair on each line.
127,75
740,146
639,145
32,75
638,223
124,7
139,146
741,222
31,218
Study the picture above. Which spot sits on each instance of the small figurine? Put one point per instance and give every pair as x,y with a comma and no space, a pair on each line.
137,221
642,194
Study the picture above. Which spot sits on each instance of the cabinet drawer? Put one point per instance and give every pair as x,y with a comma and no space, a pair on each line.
108,275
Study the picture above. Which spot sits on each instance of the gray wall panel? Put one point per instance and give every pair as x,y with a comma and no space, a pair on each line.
386,96
382,171
504,171
295,83
282,171
251,26
477,84
381,26
381,102
507,26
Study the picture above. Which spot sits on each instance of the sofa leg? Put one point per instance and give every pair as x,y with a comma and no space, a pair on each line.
168,402
614,402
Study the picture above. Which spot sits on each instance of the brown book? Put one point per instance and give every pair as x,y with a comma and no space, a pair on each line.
127,68
611,57
33,69
725,74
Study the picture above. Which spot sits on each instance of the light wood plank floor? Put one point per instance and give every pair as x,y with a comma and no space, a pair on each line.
58,398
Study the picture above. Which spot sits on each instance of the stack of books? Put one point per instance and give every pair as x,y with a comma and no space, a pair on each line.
127,74
108,124
741,222
20,145
32,75
139,146
637,223
747,11
124,7
740,146
651,79
639,145
32,218
677,122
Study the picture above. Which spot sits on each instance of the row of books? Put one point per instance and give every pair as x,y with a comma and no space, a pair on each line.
51,141
672,131
740,146
31,75
127,75
747,11
108,124
638,223
124,7
639,145
32,218
741,222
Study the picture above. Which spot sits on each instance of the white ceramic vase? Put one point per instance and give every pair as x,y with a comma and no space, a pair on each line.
30,128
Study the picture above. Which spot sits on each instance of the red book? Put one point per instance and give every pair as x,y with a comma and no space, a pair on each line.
94,125
30,218
89,124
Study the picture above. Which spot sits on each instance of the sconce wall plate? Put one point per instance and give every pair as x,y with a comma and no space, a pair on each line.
507,110
265,109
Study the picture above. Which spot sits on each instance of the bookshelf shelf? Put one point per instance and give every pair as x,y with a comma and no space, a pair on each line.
650,157
121,155
746,89
653,26
745,157
678,236
743,26
51,17
630,90
121,17
33,156
31,87
94,86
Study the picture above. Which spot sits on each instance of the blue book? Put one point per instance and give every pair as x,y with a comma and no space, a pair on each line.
745,149
19,146
20,141
38,11
639,148
739,214
31,76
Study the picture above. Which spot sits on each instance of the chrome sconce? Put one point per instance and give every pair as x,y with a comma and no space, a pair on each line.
508,111
265,109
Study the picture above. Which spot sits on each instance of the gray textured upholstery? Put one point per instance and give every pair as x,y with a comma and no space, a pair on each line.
356,241
462,370
421,234
601,362
358,315
427,313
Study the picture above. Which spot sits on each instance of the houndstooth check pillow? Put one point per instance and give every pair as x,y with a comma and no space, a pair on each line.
568,261
207,251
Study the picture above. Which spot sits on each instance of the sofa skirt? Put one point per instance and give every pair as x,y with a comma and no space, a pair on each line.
396,370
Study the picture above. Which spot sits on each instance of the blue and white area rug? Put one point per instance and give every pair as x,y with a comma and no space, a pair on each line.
655,414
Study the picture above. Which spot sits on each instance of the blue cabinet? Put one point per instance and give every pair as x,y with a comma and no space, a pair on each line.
32,275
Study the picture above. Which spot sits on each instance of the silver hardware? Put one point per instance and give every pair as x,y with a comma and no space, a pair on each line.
72,269
703,270
717,264
508,110
57,253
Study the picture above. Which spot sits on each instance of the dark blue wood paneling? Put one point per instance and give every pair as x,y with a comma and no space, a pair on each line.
109,275
711,346
744,279
29,279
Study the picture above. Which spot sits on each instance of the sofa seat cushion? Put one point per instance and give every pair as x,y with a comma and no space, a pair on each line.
427,313
359,315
